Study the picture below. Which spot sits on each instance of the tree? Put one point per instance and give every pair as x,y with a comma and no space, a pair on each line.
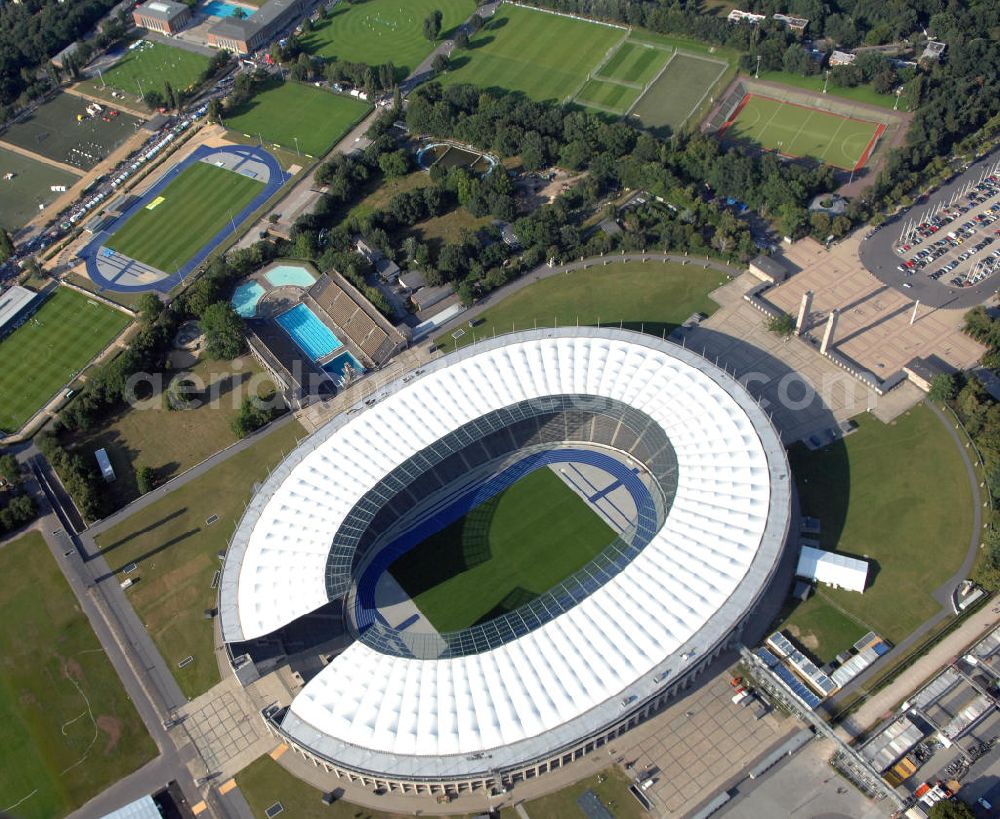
9,469
215,111
6,246
154,99
951,809
475,23
253,414
223,330
461,40
944,387
432,25
149,307
394,164
144,479
783,325
170,97
239,14
440,63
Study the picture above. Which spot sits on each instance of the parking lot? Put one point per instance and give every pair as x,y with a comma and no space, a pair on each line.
929,269
954,243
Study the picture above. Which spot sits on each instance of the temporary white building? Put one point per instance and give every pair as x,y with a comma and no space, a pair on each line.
836,570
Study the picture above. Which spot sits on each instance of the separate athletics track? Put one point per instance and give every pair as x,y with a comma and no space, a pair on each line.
92,251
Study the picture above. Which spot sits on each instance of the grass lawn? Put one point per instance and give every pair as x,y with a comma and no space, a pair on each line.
69,729
654,296
609,95
542,55
679,91
171,441
129,300
860,93
502,554
196,205
150,67
447,228
383,190
614,789
794,130
283,112
822,628
49,349
176,548
53,131
897,493
634,62
21,196
265,782
383,31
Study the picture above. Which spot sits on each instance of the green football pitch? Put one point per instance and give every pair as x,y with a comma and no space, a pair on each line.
69,730
196,205
798,131
503,553
545,56
383,31
297,117
150,66
46,351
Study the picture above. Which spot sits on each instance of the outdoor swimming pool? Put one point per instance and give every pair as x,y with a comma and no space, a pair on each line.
290,274
245,298
217,8
312,336
337,366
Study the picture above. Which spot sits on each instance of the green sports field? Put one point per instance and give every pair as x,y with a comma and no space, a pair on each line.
30,187
679,92
383,31
196,205
44,353
69,729
281,113
634,62
794,130
614,98
503,553
545,56
149,67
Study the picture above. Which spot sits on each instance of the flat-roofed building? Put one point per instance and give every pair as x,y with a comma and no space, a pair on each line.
14,304
253,32
164,16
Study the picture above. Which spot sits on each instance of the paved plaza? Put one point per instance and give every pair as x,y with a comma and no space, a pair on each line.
874,329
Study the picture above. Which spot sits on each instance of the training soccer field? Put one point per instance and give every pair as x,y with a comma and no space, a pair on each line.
46,351
797,131
281,113
383,31
196,205
30,187
546,56
503,553
53,131
150,66
678,92
69,730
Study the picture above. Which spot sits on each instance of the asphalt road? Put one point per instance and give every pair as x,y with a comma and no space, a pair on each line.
881,260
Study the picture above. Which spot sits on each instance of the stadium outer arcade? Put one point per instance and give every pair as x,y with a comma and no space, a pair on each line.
386,714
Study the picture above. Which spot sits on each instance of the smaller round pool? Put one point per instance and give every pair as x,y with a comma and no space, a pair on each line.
284,275
245,298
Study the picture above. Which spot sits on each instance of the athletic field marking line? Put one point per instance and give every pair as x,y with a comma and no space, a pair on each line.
711,85
649,85
590,74
833,141
802,127
768,124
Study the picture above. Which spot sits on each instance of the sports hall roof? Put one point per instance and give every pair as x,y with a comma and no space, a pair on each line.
680,596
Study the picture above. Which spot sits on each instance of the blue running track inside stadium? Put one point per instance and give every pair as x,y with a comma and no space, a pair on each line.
90,253
366,613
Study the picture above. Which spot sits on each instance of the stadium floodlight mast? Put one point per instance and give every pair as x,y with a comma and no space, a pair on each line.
296,145
756,74
826,79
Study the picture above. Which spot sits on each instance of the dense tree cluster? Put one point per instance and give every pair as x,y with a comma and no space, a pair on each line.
78,475
16,508
34,31
254,413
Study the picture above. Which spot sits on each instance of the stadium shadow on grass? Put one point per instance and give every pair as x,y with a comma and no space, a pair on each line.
835,467
519,596
148,554
139,532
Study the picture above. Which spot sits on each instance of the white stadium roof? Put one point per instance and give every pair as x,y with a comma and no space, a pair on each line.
683,593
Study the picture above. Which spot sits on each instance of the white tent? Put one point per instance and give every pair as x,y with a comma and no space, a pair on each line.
833,569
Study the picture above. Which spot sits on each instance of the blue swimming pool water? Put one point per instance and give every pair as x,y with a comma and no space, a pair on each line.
245,298
217,8
314,338
285,274
337,366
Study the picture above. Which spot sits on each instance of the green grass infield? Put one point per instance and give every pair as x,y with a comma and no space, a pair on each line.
502,554
200,202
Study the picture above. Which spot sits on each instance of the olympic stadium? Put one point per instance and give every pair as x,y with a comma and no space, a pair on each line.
680,468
